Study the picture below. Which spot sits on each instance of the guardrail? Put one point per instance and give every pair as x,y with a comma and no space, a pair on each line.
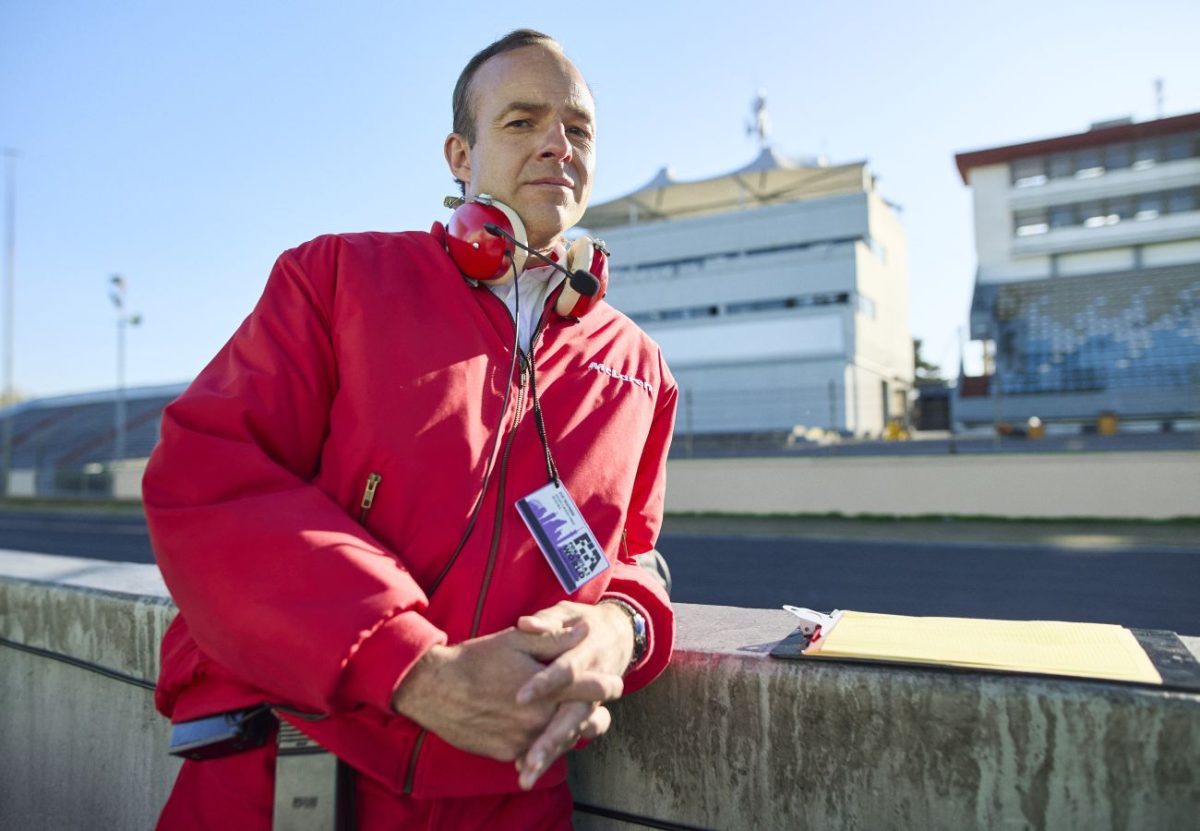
728,738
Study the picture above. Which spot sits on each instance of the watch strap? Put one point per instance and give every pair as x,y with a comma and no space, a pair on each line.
639,629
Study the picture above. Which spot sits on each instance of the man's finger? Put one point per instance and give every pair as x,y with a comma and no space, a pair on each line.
561,681
564,729
551,619
597,724
556,676
549,645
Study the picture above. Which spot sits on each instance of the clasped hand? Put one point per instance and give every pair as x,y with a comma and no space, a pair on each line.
527,693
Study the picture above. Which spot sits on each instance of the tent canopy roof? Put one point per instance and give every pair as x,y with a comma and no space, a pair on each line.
771,178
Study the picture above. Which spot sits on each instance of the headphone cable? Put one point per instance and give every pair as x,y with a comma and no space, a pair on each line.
487,473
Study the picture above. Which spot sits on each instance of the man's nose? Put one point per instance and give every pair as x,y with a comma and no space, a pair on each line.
556,145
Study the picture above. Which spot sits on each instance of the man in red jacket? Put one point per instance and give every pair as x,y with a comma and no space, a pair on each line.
333,501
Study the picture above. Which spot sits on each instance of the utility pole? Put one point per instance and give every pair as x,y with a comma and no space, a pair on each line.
10,248
117,295
962,371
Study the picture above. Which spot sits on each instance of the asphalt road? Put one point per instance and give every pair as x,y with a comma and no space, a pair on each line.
99,535
1138,587
1149,585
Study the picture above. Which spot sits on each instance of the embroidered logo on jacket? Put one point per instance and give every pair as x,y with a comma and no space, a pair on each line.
620,376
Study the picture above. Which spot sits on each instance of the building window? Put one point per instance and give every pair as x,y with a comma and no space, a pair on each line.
759,306
1031,223
1029,172
661,269
1097,213
1149,206
1146,154
1118,156
1181,200
1088,163
1062,216
1062,166
1179,147
1092,214
1120,208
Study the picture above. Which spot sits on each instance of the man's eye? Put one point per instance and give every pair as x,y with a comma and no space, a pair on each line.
519,122
579,131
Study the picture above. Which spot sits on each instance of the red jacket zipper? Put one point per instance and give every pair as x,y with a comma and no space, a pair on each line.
368,497
500,483
495,546
487,574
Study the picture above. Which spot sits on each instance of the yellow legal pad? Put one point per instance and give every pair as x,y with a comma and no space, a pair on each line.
1088,650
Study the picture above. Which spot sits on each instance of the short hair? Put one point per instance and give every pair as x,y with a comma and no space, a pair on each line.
464,110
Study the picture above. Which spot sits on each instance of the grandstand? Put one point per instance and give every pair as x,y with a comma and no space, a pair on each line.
1123,331
1087,295
65,445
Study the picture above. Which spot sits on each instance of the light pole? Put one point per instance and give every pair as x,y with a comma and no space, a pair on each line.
117,295
10,248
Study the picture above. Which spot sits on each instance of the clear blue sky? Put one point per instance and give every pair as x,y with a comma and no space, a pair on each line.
186,144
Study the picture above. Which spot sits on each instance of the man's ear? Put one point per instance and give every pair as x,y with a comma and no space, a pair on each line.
458,156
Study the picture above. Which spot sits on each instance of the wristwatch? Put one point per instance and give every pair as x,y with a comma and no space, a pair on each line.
639,629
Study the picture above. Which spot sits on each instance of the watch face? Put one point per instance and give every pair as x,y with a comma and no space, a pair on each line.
639,636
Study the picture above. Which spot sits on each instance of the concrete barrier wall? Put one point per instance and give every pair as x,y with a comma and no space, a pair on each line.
79,749
729,738
1155,485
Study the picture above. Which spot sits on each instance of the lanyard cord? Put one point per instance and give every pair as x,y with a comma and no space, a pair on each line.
551,468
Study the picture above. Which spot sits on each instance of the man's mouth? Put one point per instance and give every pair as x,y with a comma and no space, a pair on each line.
555,181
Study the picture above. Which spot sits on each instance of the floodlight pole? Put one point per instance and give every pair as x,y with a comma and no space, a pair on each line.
10,247
117,295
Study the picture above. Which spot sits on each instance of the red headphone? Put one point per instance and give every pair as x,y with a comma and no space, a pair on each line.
486,240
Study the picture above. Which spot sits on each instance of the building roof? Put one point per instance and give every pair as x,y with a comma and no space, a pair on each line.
67,432
137,393
770,179
1101,134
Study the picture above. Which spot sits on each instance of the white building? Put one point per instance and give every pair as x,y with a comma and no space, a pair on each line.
1087,294
778,292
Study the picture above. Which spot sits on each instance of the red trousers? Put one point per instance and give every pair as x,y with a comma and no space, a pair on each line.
237,792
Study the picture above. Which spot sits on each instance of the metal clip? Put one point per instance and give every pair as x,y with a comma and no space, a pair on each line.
309,787
814,624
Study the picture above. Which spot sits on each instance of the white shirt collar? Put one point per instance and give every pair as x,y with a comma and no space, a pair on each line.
536,285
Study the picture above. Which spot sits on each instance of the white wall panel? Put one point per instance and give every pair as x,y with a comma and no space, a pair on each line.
790,337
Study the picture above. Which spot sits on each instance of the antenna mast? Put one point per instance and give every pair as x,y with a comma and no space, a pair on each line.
759,124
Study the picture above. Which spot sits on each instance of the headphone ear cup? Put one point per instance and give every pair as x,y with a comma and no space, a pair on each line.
580,254
586,255
481,255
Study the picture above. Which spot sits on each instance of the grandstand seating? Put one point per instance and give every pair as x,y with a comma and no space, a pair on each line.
59,438
1135,329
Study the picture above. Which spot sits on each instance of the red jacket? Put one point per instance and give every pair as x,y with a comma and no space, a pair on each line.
370,354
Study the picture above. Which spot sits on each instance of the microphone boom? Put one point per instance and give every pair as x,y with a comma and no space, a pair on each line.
582,281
